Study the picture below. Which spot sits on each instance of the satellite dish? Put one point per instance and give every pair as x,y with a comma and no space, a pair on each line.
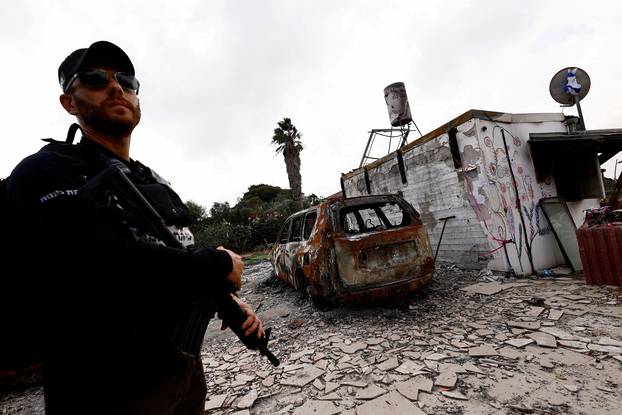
570,85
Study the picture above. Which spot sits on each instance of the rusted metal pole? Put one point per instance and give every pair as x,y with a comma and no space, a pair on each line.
442,232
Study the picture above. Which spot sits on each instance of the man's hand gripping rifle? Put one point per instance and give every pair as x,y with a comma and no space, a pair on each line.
113,191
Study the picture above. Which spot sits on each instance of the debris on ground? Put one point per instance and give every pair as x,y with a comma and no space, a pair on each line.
470,343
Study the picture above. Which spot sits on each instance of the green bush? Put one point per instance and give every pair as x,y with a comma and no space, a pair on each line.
253,223
234,237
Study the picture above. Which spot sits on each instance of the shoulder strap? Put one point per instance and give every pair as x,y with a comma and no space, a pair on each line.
71,133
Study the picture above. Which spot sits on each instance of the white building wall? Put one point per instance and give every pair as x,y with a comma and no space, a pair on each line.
481,194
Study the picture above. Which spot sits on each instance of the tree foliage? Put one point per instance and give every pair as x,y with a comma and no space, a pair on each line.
287,139
253,223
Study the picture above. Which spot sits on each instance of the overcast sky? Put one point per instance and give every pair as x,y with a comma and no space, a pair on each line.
216,76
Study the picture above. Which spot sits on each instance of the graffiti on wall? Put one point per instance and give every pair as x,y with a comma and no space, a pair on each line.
499,199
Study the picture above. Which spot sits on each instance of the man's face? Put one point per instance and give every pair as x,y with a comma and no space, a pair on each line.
110,109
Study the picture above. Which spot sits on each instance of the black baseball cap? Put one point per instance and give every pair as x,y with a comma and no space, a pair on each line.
99,53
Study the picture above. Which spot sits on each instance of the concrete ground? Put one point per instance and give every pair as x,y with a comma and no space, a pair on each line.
470,343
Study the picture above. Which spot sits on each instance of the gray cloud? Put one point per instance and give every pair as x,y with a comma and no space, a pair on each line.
217,76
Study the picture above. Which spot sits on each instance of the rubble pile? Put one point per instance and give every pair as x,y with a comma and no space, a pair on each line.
471,342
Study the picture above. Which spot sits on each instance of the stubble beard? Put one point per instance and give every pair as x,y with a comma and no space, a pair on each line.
97,118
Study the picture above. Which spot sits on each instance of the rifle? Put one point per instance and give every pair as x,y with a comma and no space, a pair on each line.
112,190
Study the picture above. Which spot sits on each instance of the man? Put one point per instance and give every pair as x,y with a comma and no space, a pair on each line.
113,294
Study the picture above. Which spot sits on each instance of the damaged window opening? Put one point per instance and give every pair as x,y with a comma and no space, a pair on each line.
309,223
370,218
296,229
284,233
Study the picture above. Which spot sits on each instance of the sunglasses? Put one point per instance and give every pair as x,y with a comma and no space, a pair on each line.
98,78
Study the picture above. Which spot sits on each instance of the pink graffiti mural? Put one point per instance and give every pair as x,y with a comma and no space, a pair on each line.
499,213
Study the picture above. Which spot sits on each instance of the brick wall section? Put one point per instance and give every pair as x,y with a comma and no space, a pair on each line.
436,189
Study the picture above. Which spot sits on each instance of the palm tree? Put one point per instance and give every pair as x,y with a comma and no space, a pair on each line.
287,138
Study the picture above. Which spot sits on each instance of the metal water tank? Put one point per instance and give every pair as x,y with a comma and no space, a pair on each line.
397,104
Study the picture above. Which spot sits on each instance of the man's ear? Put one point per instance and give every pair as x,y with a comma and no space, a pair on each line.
66,101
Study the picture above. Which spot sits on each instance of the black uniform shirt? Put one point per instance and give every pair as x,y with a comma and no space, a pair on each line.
110,300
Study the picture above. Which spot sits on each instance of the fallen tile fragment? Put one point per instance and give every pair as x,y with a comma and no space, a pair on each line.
521,409
543,339
571,388
268,382
298,355
408,367
559,333
573,297
454,395
436,357
531,325
330,397
451,367
352,348
423,384
484,350
317,408
605,349
247,400
411,388
518,343
388,364
370,392
607,341
573,344
605,389
555,314
216,401
446,379
534,311
303,376
485,288
330,386
356,384
472,368
392,403
556,400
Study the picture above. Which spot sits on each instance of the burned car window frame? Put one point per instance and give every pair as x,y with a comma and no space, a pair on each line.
375,207
284,233
305,225
296,222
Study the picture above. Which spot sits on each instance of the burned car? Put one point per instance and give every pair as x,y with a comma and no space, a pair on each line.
356,249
